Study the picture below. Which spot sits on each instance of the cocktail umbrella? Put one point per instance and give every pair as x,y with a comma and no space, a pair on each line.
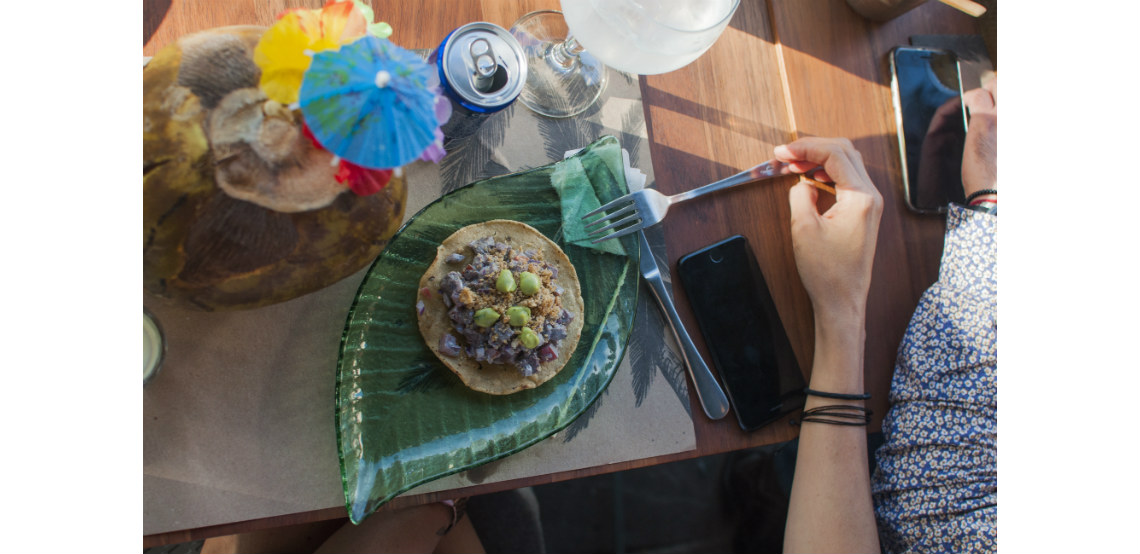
371,103
284,51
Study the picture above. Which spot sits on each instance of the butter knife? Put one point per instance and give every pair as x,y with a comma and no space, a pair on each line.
709,393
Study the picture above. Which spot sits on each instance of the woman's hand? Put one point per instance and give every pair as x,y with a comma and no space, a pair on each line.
834,250
979,159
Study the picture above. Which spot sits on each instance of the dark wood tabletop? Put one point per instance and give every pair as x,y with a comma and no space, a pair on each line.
784,69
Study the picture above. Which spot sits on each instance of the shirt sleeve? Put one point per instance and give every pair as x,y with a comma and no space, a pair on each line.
935,485
969,256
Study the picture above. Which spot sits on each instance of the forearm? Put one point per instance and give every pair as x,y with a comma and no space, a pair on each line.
412,529
830,509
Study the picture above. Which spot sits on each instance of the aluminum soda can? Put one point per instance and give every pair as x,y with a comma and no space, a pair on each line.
482,70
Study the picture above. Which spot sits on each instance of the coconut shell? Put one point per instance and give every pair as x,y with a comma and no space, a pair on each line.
240,210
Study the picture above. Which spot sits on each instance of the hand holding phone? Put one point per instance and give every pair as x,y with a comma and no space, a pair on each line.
979,162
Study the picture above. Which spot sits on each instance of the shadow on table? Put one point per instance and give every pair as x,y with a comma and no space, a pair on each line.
659,98
154,11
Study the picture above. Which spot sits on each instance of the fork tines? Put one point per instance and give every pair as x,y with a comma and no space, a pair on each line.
624,226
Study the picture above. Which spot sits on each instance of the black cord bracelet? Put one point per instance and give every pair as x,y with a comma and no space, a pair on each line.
822,414
837,396
833,422
978,193
840,410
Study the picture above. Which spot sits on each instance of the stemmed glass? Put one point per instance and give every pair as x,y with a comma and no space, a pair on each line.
567,52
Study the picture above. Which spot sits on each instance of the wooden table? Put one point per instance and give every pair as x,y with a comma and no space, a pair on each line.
783,69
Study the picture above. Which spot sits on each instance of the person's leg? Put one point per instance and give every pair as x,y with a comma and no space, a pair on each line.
462,539
292,539
414,529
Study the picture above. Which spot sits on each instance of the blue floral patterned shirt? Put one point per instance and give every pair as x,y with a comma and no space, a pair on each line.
935,487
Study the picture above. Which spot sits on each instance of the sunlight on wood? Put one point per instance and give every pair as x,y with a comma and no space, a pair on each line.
673,130
836,96
747,122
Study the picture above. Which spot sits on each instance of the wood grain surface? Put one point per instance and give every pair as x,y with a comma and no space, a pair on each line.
783,69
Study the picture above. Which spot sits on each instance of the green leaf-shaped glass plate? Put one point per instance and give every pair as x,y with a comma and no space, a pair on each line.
402,417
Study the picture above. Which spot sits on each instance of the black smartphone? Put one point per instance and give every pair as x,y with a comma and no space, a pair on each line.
926,84
746,340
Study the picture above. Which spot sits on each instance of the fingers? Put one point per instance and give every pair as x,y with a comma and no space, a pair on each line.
844,164
822,175
979,101
806,169
989,82
802,198
983,100
802,167
979,160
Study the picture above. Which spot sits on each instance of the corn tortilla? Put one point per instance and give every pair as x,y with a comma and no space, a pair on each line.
434,323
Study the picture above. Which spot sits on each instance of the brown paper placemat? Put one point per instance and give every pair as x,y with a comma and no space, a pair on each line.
238,425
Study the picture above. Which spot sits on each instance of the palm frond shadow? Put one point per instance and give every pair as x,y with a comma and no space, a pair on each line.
471,159
425,376
648,352
560,135
634,119
583,420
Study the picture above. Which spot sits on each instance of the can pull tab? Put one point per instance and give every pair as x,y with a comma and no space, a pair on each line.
483,58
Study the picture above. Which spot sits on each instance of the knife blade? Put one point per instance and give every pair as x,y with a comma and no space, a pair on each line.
711,396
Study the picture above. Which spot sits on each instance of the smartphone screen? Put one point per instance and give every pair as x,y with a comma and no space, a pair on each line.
927,89
746,340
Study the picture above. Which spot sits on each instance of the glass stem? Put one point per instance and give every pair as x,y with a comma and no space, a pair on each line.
565,54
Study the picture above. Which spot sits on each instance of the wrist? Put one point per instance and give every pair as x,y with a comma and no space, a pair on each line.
840,337
842,341
838,318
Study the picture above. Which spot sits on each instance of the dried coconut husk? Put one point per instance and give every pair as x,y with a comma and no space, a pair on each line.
240,209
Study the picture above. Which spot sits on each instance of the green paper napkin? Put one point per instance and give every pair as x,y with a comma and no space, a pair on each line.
576,191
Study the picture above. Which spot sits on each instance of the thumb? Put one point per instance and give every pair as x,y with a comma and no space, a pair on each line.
979,101
802,198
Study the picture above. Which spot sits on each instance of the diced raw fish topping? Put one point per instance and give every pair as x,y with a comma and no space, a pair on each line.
448,345
474,288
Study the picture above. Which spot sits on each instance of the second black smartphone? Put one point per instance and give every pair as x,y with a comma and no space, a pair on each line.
746,340
926,85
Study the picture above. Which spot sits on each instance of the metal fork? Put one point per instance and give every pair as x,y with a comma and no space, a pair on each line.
647,207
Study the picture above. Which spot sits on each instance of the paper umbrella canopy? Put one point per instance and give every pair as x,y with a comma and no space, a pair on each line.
371,103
